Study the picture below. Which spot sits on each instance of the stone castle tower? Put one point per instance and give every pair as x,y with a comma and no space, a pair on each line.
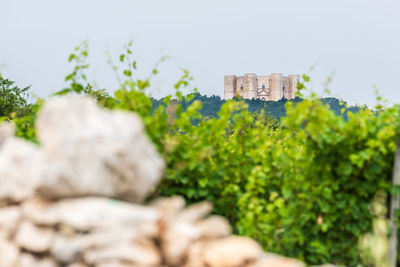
265,87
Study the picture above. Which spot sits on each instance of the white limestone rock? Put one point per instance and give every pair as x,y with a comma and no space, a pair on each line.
34,238
180,230
28,260
195,254
113,235
274,260
40,211
89,213
9,253
117,263
214,227
9,220
232,251
92,151
77,264
169,206
66,249
7,130
176,240
143,252
20,168
194,212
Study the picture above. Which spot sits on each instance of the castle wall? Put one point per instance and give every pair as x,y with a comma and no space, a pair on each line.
247,86
267,87
263,81
252,86
286,88
276,86
241,85
293,80
230,86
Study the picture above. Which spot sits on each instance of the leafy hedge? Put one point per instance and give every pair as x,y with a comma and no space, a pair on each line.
302,187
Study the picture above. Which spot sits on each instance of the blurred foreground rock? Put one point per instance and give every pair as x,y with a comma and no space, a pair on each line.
59,207
83,143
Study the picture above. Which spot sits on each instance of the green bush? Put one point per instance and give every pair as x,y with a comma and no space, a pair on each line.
328,170
13,100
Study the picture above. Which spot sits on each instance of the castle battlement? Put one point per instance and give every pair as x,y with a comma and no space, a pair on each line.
271,87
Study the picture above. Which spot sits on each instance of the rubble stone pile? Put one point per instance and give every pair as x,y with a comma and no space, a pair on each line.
73,200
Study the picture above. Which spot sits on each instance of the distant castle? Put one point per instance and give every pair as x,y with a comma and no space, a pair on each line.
265,87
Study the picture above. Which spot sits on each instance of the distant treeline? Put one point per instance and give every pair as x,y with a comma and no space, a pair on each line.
212,104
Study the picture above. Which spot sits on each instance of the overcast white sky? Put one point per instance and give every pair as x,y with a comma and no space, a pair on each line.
358,40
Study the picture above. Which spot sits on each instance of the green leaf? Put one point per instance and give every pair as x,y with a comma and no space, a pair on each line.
71,57
127,73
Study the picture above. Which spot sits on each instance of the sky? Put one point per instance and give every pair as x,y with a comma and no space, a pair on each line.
355,42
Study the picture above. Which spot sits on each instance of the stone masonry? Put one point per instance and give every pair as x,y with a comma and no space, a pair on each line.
265,87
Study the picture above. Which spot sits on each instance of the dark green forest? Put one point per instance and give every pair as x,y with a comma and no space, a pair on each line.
276,109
